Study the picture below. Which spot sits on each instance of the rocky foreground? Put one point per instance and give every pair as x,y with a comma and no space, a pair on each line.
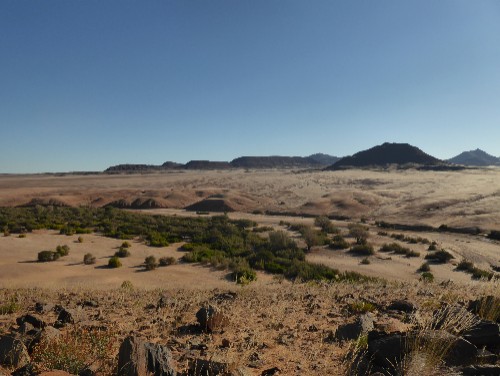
279,329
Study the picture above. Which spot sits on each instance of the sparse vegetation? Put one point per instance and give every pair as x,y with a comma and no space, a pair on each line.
427,277
440,257
150,263
166,261
89,259
362,250
114,262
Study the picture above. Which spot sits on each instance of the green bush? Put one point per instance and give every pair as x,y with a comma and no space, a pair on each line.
427,277
47,256
150,263
465,265
243,275
365,261
425,267
125,245
440,257
362,250
80,239
114,262
165,261
338,242
89,259
21,236
122,252
62,250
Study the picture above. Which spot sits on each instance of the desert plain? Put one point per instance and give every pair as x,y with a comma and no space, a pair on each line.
273,322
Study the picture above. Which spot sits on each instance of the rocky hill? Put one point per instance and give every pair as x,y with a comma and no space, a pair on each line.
313,161
385,155
476,157
275,162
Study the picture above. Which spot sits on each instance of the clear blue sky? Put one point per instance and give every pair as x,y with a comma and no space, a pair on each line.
88,84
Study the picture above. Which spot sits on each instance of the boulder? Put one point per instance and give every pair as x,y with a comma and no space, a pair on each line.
362,325
41,307
13,352
139,358
69,316
201,367
486,333
33,320
211,319
482,370
386,349
402,306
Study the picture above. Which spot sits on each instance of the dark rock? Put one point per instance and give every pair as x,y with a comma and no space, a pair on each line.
27,370
211,319
27,329
362,325
482,370
486,357
90,303
486,333
386,349
139,358
402,306
271,372
43,307
48,334
34,320
69,316
13,352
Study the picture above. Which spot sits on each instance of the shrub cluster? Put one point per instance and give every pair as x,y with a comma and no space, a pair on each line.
89,259
476,273
114,262
399,250
440,257
410,239
150,263
165,261
47,256
362,249
338,242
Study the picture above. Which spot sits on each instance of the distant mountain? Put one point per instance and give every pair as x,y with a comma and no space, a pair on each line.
387,154
206,165
275,162
476,157
324,159
313,161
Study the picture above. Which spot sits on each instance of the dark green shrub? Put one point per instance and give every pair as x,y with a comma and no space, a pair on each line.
125,245
481,274
62,250
326,225
114,262
165,261
80,239
465,265
411,253
359,232
427,277
365,261
243,275
362,250
494,234
46,256
89,259
122,252
440,257
22,236
150,263
338,242
425,267
432,247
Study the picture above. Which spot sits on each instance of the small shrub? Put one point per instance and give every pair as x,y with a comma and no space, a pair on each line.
432,247
62,250
9,308
114,262
89,259
440,257
6,232
425,267
76,349
150,263
21,236
360,306
80,239
481,274
362,249
338,242
122,252
412,254
465,265
243,275
125,244
127,285
427,277
165,261
365,261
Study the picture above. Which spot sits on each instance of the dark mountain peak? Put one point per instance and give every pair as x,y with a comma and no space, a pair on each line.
476,157
387,154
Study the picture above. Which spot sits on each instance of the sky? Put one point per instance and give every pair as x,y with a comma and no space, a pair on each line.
89,84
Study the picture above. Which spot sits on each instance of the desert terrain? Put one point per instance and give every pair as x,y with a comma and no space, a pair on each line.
275,325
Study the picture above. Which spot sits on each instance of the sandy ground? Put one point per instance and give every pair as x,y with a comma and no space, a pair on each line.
457,198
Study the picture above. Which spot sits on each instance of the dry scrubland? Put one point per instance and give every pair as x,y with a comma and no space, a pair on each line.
272,322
